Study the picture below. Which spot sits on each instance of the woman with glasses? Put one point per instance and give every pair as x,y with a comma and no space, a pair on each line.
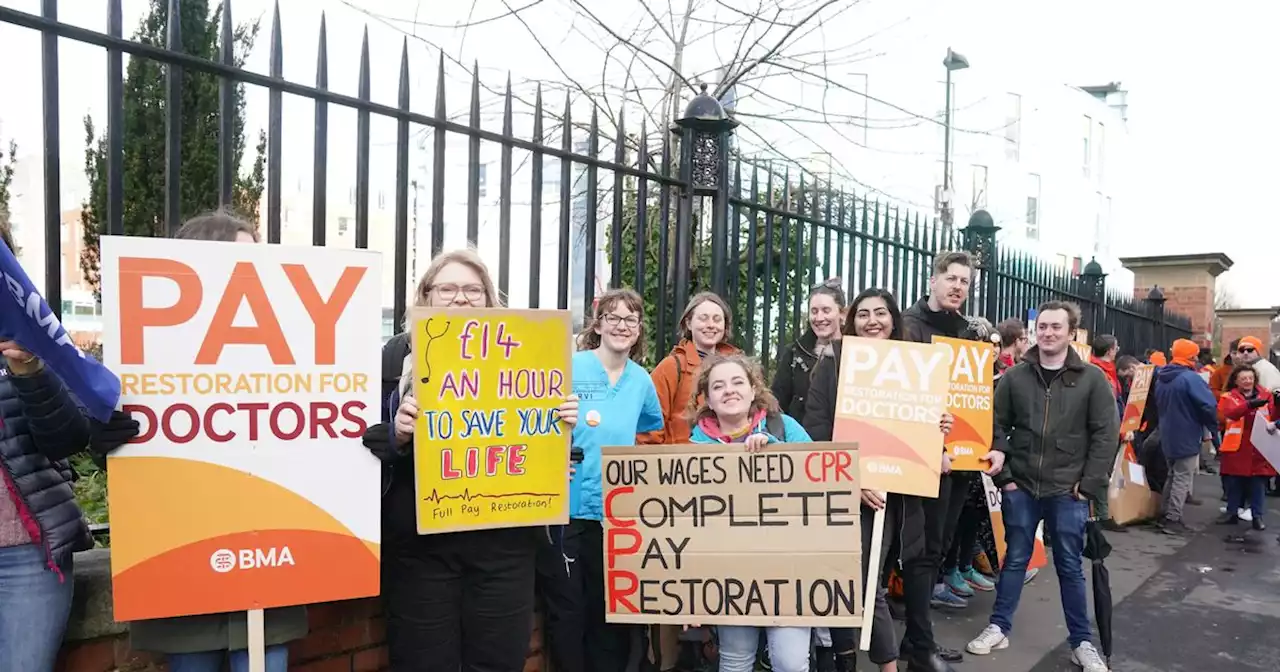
459,601
617,402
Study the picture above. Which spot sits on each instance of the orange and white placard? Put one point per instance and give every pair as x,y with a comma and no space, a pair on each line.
891,395
995,500
254,371
969,400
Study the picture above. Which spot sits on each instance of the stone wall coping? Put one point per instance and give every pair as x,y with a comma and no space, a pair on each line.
1215,263
1268,313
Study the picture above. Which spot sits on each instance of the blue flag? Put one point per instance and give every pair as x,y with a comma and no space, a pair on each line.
28,320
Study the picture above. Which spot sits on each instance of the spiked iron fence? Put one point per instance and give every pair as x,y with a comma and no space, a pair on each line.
682,210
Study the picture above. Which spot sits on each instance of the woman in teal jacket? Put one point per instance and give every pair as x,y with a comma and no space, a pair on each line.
737,407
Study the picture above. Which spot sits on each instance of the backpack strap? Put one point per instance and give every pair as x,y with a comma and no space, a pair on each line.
774,425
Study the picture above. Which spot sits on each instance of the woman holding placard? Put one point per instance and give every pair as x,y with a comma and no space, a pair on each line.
873,314
1244,469
736,407
617,402
204,643
461,600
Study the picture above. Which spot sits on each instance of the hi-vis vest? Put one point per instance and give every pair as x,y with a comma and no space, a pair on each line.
1235,432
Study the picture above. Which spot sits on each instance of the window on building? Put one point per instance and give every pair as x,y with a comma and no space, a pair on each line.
343,224
978,187
1102,148
1088,144
1013,128
1033,206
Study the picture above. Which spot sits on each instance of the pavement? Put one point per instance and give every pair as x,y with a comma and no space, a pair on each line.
1181,604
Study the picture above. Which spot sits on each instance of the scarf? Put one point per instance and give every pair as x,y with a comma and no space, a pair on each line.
29,321
711,427
1108,368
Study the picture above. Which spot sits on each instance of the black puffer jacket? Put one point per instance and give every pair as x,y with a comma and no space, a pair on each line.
791,379
40,427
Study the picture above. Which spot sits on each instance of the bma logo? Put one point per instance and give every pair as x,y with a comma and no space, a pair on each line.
882,468
224,560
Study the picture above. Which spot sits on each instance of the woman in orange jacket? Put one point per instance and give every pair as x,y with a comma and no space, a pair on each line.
705,328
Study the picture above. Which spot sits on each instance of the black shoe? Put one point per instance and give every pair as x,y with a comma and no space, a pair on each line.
921,661
1194,501
949,655
847,662
824,659
1176,528
1228,519
1258,524
1110,525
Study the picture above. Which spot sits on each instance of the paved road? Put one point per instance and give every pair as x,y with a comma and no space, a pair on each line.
1181,604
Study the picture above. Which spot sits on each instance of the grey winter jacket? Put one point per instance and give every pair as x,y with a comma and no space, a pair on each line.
40,427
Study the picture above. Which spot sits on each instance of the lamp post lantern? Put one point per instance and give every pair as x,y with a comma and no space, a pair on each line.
705,131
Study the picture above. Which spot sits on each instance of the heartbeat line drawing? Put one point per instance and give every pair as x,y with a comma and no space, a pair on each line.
466,496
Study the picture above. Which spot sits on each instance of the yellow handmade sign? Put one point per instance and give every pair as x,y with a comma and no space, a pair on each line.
489,449
890,397
969,402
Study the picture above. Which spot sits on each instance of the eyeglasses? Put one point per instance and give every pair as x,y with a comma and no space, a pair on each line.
449,292
612,320
1246,350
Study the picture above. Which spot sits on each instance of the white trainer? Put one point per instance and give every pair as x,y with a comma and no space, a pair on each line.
991,639
1087,657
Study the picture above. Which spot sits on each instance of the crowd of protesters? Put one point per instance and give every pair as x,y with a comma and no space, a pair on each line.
465,601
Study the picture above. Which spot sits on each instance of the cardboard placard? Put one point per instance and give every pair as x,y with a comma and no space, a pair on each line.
891,396
489,450
1129,498
1137,401
995,502
254,372
714,535
969,400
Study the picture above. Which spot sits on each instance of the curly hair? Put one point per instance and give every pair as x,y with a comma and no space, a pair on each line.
1235,373
764,399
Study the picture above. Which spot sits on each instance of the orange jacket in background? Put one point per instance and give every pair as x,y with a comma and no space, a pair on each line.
675,378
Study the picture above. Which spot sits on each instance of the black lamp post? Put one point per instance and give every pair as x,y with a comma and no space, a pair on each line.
1155,298
1093,283
705,131
952,62
980,240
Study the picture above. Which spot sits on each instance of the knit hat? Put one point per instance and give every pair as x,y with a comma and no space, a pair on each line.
1185,352
1158,359
1251,340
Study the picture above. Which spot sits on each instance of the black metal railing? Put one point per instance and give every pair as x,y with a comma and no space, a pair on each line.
683,210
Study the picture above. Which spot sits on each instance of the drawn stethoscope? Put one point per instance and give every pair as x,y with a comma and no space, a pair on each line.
426,347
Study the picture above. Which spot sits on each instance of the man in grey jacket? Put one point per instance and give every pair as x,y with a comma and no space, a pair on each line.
1060,416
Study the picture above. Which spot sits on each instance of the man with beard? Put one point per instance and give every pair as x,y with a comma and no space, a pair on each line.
937,314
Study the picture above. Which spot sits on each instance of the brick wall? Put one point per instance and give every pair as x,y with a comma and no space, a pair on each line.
1231,333
345,636
1196,302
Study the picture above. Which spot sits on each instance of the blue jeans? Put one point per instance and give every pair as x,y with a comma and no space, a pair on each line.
788,648
34,605
211,661
1064,517
1254,488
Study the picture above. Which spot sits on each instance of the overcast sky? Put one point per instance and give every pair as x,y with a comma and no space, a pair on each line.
1203,98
